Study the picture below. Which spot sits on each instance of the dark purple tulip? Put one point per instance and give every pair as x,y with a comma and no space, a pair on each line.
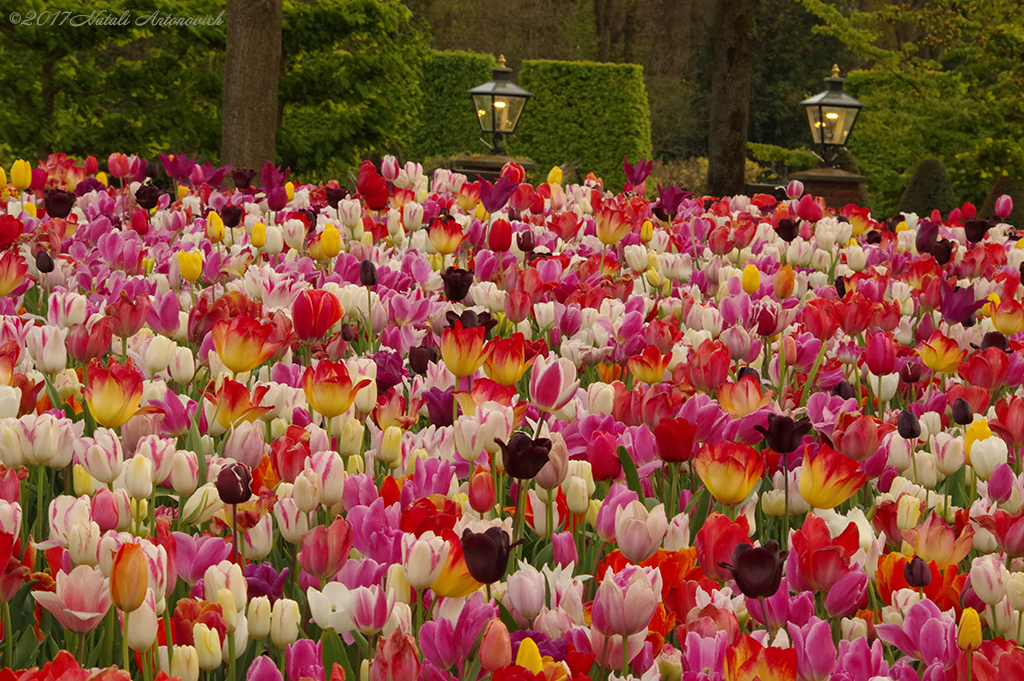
178,167
638,173
242,177
975,229
335,195
917,573
495,196
58,203
787,229
456,283
147,196
757,571
264,580
908,426
234,483
962,412
470,319
523,456
420,358
439,406
367,273
231,215
44,262
784,434
927,235
277,198
486,554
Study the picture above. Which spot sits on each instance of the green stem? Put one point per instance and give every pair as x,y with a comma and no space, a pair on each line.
231,657
809,385
625,655
40,513
124,643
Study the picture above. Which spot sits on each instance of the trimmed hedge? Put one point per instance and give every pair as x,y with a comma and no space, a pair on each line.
929,188
448,124
584,114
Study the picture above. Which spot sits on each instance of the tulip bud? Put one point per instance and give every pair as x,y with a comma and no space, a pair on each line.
185,663
390,451
306,491
138,477
184,472
968,635
227,606
84,543
907,425
208,652
284,622
259,617
234,483
1015,590
481,490
908,512
962,412
496,646
367,273
795,189
917,574
143,624
21,175
396,583
1004,206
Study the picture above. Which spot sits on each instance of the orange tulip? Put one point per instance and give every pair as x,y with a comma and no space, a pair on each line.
129,577
330,389
742,397
941,354
235,404
243,343
729,470
505,359
445,236
829,477
649,366
462,350
784,282
113,394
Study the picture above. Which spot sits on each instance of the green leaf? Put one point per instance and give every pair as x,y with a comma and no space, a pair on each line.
333,650
506,617
629,468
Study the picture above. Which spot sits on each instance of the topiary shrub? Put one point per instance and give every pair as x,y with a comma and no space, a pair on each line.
586,114
448,124
929,189
1015,189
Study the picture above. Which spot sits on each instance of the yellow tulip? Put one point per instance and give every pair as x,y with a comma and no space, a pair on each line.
102,177
555,175
977,431
968,636
647,231
330,241
259,235
182,191
289,188
191,264
215,228
480,213
751,279
21,175
528,656
3,178
30,208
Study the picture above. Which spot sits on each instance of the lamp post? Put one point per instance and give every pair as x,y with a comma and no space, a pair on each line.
499,103
831,115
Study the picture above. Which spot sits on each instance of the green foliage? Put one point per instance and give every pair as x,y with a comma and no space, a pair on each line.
782,161
946,81
929,189
585,114
1015,189
351,84
691,174
350,87
447,123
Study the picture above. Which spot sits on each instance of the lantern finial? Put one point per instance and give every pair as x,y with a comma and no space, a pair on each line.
501,61
835,70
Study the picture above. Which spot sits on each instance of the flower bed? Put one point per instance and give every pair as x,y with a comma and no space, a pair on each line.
442,429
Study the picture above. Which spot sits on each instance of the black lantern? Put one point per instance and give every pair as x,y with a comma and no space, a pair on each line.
498,103
831,115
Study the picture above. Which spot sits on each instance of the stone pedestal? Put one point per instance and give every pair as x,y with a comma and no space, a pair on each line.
836,186
488,167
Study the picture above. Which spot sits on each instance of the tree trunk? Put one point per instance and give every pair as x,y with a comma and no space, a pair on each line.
733,69
252,66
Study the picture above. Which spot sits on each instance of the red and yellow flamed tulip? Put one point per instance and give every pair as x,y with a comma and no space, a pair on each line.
468,196
243,343
129,577
113,394
743,397
445,236
235,404
330,389
454,580
12,272
729,470
941,354
505,359
462,349
612,225
1008,316
649,366
709,365
934,540
747,660
314,312
829,478
326,548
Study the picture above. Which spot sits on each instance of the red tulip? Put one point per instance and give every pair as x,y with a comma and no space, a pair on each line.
709,365
499,236
325,549
716,542
314,312
396,658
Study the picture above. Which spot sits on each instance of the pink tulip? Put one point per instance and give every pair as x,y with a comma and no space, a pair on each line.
795,189
564,547
1004,205
553,382
815,650
325,549
639,532
80,601
807,209
396,659
637,586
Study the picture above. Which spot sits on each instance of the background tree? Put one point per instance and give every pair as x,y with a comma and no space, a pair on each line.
252,66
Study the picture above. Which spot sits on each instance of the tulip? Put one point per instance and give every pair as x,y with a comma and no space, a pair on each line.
207,646
423,558
314,312
638,587
505,359
523,457
284,622
259,617
486,554
445,236
639,532
1004,206
941,354
21,175
552,382
101,456
325,549
185,663
329,388
495,646
142,631
729,470
757,571
649,366
113,393
234,483
244,343
80,599
190,264
46,344
968,636
129,578
396,658
828,478
462,349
